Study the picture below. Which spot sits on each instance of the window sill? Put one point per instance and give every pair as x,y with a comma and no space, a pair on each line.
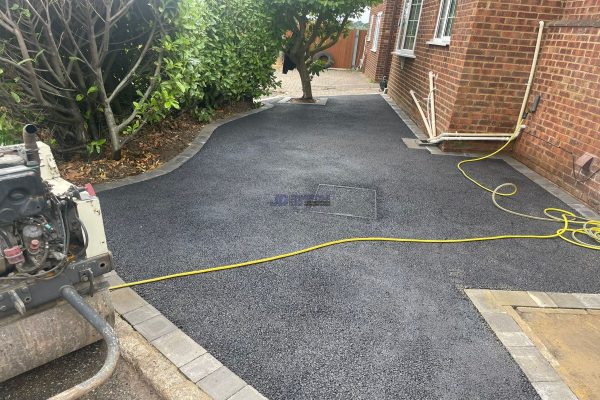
407,54
439,42
373,51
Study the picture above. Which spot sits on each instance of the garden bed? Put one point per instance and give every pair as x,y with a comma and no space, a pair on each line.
154,146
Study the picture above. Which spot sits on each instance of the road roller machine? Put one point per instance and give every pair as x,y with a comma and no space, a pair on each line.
53,255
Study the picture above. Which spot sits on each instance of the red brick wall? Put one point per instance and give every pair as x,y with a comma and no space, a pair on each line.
482,73
377,63
568,116
446,61
482,77
499,51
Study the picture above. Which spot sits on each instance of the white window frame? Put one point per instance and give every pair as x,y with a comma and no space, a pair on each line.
377,33
371,28
442,40
403,26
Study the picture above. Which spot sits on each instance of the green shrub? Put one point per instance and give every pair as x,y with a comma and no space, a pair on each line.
218,51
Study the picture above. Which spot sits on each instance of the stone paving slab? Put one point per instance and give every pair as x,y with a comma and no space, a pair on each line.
222,384
497,308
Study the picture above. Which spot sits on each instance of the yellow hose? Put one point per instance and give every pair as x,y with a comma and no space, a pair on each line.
589,228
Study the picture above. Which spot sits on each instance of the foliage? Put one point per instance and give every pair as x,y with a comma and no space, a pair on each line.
363,26
95,146
95,71
80,64
9,133
311,26
219,51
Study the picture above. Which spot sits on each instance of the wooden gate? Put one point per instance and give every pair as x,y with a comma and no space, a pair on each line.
348,51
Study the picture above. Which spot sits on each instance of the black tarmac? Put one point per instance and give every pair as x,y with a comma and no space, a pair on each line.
355,321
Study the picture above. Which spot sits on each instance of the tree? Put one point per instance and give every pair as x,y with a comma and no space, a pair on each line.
312,26
81,64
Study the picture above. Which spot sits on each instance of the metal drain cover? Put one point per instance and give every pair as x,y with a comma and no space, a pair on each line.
346,201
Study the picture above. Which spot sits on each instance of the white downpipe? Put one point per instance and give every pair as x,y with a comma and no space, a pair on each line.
536,54
490,137
432,100
448,136
427,127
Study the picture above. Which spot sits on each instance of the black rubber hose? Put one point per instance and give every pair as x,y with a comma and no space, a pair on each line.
110,337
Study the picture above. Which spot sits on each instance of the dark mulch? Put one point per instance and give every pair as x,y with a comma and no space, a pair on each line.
154,146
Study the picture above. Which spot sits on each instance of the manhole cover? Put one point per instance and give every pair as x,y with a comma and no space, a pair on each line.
346,201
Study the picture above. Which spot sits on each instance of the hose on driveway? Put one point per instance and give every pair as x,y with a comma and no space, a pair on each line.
575,229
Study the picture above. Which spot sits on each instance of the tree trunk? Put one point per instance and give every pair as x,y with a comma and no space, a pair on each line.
306,81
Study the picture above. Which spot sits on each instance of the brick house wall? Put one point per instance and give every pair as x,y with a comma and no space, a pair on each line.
566,125
482,74
377,63
482,77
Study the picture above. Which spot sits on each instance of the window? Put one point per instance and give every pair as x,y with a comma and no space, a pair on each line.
370,28
445,21
377,31
409,26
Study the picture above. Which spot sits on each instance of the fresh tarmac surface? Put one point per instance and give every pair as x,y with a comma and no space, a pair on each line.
360,321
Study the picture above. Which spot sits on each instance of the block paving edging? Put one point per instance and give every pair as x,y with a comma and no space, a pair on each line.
496,307
583,209
319,101
192,360
176,162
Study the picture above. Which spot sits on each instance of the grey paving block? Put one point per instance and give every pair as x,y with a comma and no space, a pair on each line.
542,299
554,391
248,393
413,144
588,300
141,314
483,300
566,300
514,339
221,384
178,347
513,298
501,322
126,300
533,364
201,367
155,327
113,279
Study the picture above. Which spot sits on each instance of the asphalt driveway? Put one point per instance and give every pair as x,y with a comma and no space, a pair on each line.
359,321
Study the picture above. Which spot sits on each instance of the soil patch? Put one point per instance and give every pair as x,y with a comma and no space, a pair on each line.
154,146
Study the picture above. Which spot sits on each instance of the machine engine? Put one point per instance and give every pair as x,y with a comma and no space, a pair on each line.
40,232
45,241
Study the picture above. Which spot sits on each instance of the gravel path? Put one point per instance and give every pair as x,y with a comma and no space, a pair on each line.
360,321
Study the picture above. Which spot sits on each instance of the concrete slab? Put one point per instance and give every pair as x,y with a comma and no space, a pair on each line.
573,339
155,327
178,347
221,384
201,367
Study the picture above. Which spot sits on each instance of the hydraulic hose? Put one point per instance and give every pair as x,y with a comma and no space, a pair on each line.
110,337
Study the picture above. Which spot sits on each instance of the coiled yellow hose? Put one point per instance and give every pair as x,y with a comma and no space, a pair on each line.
588,228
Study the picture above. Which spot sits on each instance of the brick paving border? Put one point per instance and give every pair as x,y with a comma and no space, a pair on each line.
497,308
176,162
319,101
